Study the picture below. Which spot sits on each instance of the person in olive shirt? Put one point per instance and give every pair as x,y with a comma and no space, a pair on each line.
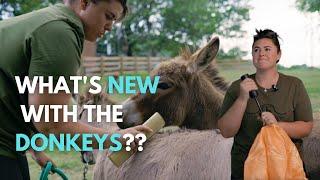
286,103
47,42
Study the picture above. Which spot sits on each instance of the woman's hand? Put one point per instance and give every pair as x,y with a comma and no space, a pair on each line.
246,86
268,118
134,131
40,157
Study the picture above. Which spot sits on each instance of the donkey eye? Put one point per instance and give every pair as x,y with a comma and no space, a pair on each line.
163,86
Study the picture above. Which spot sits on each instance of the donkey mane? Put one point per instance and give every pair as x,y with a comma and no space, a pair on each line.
185,53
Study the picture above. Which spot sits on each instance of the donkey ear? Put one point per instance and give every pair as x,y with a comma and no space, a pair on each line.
203,57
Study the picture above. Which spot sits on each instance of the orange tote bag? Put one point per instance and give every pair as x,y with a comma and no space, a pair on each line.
273,156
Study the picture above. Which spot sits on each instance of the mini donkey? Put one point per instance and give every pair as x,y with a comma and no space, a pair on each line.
189,93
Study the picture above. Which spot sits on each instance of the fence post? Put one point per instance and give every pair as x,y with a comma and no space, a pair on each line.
121,65
136,64
101,66
82,70
149,64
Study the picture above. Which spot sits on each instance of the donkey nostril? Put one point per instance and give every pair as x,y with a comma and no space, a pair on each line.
121,125
119,116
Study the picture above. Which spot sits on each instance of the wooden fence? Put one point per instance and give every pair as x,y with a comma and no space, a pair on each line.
118,65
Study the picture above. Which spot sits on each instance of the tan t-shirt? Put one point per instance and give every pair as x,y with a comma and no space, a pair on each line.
290,103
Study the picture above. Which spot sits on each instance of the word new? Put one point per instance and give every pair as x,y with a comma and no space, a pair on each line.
127,84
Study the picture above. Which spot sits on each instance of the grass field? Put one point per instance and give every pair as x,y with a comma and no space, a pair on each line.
71,164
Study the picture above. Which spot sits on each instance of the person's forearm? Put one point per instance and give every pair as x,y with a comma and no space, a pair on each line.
38,142
297,129
76,128
57,128
69,127
230,122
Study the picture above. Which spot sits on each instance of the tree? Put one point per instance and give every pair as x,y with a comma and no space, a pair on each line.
233,54
18,7
159,27
308,5
162,27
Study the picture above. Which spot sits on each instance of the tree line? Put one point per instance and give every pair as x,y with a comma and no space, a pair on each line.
162,27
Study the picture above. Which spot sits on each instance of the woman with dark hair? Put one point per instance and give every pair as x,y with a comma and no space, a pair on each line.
283,99
47,42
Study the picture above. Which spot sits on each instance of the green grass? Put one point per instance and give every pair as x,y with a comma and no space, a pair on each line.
70,161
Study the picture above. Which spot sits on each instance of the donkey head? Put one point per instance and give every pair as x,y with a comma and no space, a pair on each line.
189,92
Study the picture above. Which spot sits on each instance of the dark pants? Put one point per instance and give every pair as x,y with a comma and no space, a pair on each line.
14,169
234,178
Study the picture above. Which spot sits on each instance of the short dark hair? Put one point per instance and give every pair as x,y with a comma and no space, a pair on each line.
122,2
124,6
267,33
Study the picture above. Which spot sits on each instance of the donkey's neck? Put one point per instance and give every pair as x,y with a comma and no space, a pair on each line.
204,115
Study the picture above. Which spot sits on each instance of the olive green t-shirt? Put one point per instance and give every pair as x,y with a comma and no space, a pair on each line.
289,103
47,42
